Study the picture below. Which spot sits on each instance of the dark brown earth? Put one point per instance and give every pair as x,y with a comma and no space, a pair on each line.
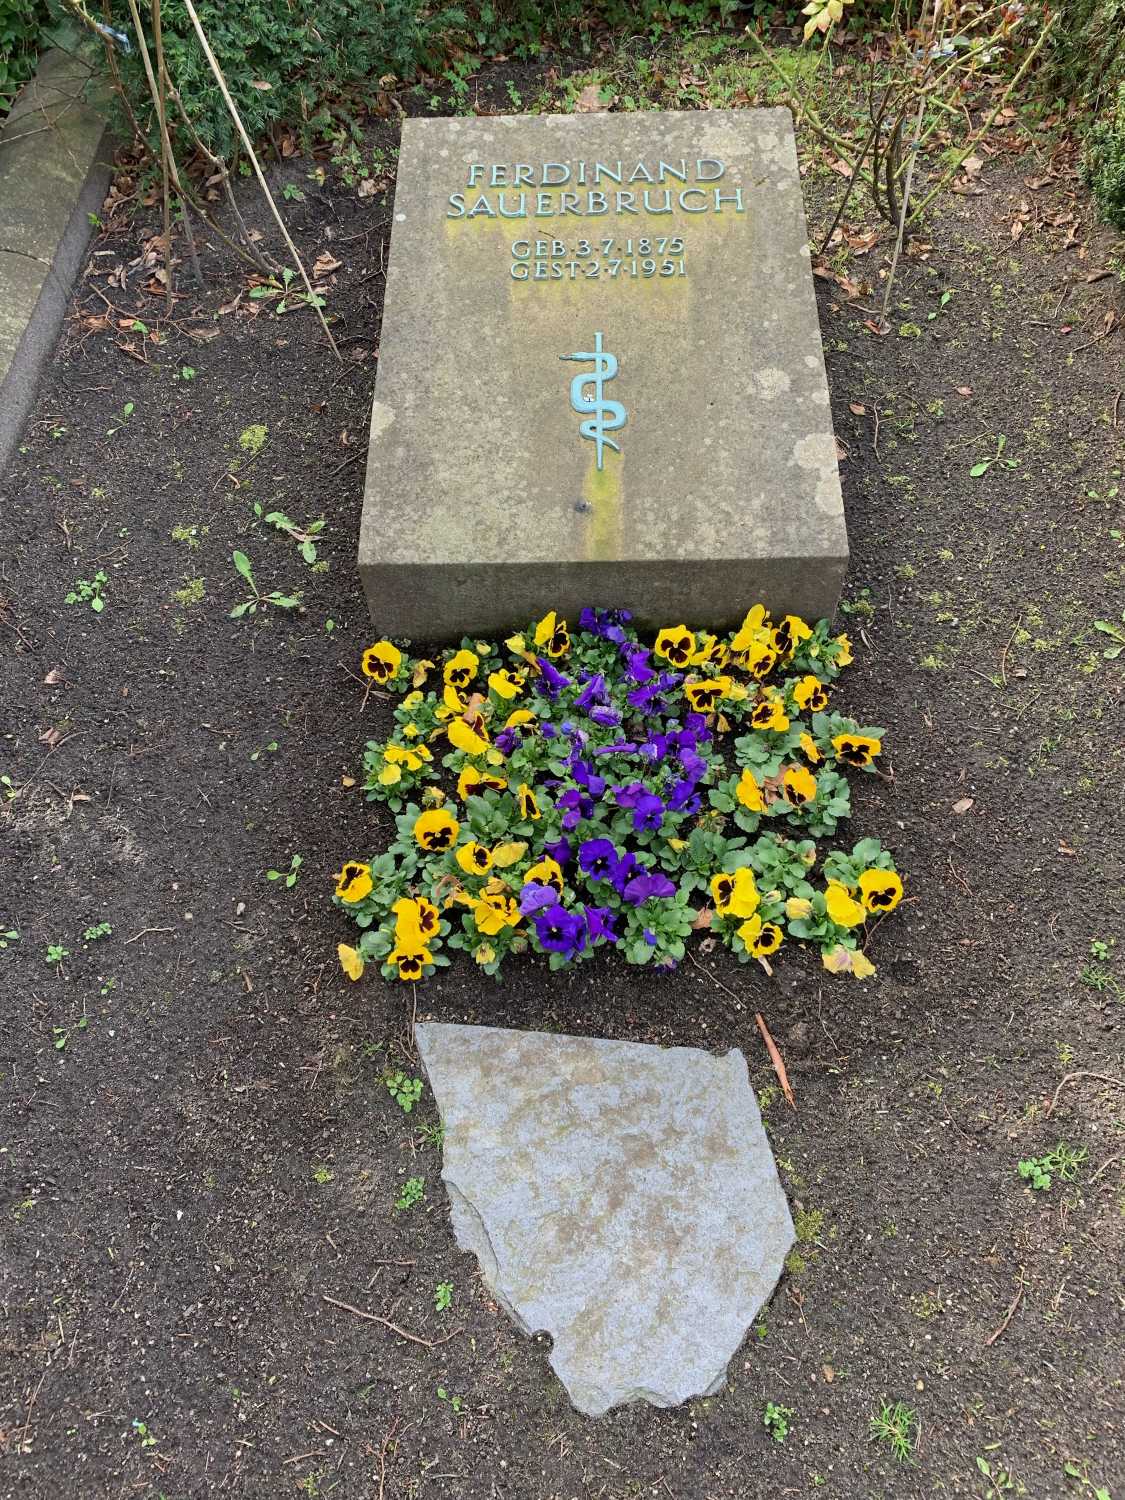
195,1143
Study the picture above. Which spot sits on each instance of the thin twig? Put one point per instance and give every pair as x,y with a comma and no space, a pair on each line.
144,933
374,1317
902,214
237,118
1004,653
776,1059
1070,1077
987,126
992,1337
1113,327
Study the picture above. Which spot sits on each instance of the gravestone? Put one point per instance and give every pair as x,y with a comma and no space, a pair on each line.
600,378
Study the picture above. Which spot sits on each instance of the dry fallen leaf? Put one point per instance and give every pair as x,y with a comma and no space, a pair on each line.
857,409
962,805
366,188
325,264
54,676
347,781
262,84
964,390
971,166
590,100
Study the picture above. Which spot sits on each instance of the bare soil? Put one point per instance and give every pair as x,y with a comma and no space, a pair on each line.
196,1145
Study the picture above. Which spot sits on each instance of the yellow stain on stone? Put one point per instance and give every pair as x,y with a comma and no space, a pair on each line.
602,492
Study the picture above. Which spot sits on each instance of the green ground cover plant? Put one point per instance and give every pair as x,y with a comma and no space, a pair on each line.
568,793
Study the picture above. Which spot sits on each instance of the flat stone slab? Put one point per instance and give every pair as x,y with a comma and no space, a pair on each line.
54,172
600,377
620,1197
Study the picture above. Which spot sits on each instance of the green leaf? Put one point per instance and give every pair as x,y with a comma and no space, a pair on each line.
978,469
242,563
97,604
242,609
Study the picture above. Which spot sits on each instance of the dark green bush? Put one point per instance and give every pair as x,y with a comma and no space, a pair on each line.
281,59
1088,67
22,23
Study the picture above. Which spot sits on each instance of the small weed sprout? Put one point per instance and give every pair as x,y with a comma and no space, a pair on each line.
412,1192
431,1135
257,598
985,464
290,876
305,536
55,953
1063,1162
322,1176
98,931
776,1420
443,1296
10,936
896,1426
454,1401
89,591
403,1090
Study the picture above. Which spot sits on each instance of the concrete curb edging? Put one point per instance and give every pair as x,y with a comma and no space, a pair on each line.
55,166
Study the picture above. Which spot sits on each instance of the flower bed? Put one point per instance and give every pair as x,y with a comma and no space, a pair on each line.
566,794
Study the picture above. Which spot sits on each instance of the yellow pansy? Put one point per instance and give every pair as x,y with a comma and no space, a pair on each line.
415,918
472,782
735,895
350,961
759,659
436,830
749,793
422,670
797,908
770,714
704,695
761,938
546,872
844,656
390,775
529,807
841,906
484,954
461,668
880,890
809,747
798,786
410,961
354,881
519,717
856,749
507,854
551,633
710,651
675,644
505,684
751,630
381,661
789,634
462,737
841,960
474,859
810,693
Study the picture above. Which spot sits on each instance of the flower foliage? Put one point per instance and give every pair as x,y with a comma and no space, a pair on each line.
571,791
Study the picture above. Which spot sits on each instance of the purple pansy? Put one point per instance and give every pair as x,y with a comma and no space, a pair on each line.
560,931
599,923
551,680
558,849
534,897
598,859
593,693
644,887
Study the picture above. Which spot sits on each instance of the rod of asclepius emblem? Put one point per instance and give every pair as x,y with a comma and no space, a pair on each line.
608,416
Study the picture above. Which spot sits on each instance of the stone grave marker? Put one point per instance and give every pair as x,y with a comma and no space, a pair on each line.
600,377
